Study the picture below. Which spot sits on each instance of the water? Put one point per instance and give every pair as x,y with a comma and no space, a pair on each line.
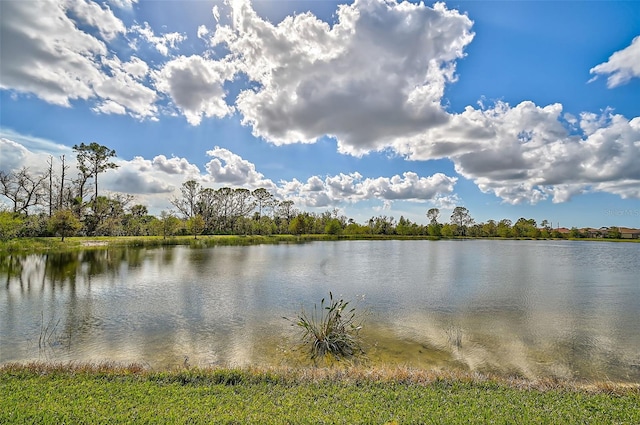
531,308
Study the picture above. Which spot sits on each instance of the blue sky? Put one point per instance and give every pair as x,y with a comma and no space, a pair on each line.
511,109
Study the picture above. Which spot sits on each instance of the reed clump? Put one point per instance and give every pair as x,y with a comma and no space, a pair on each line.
331,331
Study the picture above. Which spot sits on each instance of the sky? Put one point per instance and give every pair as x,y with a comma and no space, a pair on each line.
373,107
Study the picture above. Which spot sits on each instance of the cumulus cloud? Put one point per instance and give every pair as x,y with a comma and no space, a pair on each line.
101,18
45,53
196,87
174,165
227,168
353,188
162,43
124,91
378,73
13,155
622,66
528,153
128,180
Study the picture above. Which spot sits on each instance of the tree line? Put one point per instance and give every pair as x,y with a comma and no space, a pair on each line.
54,204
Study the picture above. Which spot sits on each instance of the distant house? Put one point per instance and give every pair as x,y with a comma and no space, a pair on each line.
627,233
590,232
563,232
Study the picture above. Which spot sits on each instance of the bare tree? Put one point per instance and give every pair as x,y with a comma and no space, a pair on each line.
190,191
63,169
22,188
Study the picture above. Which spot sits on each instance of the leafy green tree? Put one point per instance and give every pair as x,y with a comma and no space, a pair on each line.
503,228
94,159
195,225
525,228
448,230
168,224
353,228
64,223
34,225
461,218
333,227
434,229
302,223
285,212
490,229
296,225
10,225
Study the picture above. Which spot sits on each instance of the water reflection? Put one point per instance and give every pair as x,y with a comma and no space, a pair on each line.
531,308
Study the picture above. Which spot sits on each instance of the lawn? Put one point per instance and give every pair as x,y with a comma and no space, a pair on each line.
113,394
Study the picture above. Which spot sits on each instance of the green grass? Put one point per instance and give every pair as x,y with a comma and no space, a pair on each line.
108,394
99,242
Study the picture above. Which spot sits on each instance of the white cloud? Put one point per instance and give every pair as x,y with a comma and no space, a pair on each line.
202,32
409,186
45,53
110,107
377,74
195,85
525,154
136,68
125,89
174,165
622,66
227,168
13,155
98,17
123,4
162,43
353,188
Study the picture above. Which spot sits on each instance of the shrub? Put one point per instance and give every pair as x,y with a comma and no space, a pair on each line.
333,331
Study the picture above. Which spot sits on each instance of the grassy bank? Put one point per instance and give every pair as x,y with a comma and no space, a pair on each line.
111,394
74,243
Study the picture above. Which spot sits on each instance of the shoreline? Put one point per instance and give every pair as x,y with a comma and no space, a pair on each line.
54,244
337,373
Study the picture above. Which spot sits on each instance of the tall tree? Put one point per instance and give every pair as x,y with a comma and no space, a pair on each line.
63,169
50,188
264,199
461,218
433,229
432,215
190,191
94,159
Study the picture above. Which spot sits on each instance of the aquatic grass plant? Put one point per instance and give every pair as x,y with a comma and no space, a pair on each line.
331,330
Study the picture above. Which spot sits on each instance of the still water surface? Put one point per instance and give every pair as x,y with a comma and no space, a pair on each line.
532,308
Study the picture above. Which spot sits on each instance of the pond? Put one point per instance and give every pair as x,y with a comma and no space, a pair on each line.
564,309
